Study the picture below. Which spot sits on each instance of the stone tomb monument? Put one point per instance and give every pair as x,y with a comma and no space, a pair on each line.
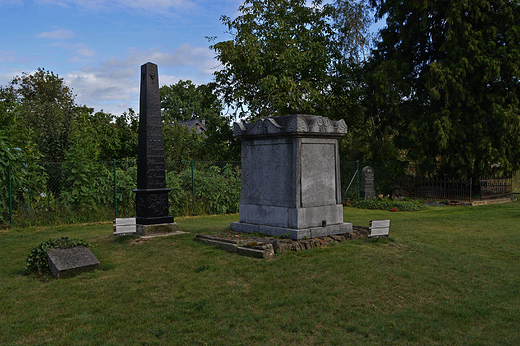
367,182
290,177
151,194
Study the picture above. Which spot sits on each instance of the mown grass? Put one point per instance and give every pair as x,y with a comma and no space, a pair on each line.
446,276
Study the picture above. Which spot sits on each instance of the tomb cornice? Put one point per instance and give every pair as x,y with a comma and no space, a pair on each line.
293,125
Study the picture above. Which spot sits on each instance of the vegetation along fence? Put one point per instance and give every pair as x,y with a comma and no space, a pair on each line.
72,192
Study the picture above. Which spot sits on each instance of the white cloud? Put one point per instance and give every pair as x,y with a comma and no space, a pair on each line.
83,50
7,56
56,35
113,85
156,6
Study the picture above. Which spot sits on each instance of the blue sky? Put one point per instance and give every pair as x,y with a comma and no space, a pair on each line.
98,46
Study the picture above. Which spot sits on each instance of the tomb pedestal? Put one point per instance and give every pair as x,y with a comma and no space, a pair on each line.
291,177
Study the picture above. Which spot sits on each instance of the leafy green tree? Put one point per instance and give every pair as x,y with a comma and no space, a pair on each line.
115,136
281,59
187,101
19,151
84,182
47,106
445,79
353,19
180,143
127,130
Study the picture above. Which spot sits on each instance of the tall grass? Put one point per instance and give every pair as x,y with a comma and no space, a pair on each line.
446,276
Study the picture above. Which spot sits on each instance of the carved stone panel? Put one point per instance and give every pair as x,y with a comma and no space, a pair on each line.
318,173
367,182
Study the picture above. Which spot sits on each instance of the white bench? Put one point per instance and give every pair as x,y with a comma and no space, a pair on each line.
124,226
379,228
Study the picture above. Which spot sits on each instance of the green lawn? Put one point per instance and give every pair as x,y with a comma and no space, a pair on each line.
447,276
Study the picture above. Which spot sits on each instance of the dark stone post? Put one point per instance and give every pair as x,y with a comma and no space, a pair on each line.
151,193
367,182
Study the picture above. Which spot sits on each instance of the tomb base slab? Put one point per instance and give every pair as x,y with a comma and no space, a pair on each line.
291,233
162,228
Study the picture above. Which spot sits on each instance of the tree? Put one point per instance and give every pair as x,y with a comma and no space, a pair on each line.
18,153
445,78
47,106
187,101
115,136
353,19
281,59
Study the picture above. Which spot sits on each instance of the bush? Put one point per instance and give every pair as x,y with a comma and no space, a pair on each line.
387,204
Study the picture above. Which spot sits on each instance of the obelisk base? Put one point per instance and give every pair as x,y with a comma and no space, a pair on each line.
161,228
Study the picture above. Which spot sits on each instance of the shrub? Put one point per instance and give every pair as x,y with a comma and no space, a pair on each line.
37,260
387,204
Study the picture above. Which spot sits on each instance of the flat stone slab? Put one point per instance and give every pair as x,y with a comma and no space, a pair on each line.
66,262
267,248
295,234
251,248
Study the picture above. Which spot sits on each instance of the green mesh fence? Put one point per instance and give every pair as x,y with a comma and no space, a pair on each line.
384,177
72,192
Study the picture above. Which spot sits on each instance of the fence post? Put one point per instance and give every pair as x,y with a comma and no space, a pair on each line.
10,196
193,187
471,189
115,188
357,180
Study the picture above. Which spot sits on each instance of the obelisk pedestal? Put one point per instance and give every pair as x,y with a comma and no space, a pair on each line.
151,198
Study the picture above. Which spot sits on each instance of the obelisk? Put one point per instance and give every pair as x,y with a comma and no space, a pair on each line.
151,200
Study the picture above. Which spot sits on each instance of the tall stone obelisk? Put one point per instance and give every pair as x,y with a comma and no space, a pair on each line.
151,198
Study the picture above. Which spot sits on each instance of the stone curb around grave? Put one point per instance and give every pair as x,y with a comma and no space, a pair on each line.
268,247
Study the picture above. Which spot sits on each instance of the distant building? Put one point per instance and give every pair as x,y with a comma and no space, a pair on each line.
198,125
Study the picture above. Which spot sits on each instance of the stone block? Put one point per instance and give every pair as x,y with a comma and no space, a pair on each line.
367,183
157,229
290,176
267,252
67,262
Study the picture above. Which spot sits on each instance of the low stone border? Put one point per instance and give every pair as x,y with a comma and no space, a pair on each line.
489,201
266,247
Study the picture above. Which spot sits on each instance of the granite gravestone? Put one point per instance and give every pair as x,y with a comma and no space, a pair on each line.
151,194
290,177
70,261
367,182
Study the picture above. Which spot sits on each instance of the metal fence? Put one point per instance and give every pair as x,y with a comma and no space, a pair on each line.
384,180
71,192
496,187
433,188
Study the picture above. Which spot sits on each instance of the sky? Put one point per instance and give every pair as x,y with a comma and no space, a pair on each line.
98,46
